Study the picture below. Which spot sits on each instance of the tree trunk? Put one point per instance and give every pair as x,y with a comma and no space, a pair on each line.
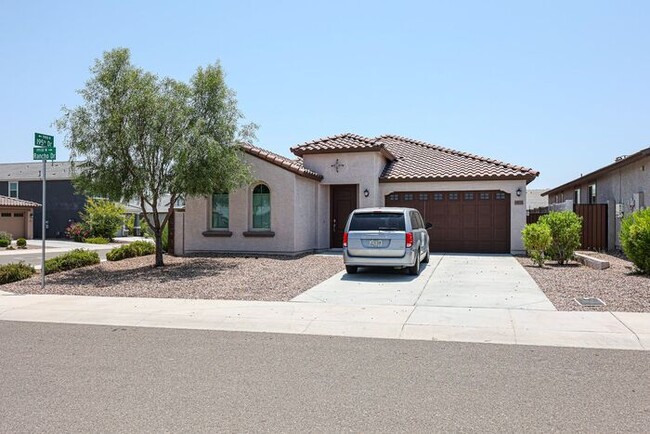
159,248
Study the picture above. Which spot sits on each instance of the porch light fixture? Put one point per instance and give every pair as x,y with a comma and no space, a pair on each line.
366,193
519,192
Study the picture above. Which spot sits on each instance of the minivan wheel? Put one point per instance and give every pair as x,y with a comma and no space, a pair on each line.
351,269
415,269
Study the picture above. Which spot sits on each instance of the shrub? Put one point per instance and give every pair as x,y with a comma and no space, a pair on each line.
537,240
136,248
15,272
21,243
77,232
74,259
635,239
4,242
103,218
566,228
97,240
10,247
5,236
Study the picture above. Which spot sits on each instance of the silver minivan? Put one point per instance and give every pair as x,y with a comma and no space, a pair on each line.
385,237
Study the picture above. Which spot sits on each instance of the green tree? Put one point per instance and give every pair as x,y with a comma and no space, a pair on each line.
566,230
102,217
141,136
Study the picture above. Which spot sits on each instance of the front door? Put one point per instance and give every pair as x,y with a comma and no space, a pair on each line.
343,200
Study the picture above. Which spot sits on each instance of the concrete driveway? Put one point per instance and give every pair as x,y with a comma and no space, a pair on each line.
449,280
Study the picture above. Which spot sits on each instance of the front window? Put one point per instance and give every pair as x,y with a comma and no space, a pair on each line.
261,207
13,189
220,211
592,193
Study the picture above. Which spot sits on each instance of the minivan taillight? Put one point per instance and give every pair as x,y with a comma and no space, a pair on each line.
409,239
345,239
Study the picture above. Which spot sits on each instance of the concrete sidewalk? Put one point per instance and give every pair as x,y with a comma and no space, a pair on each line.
505,326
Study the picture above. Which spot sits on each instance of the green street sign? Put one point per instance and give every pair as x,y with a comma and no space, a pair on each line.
43,140
45,153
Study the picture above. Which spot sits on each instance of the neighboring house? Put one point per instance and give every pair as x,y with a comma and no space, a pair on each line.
17,217
621,185
535,199
133,210
23,181
475,204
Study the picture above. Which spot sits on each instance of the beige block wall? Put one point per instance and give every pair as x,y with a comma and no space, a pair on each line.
517,212
284,189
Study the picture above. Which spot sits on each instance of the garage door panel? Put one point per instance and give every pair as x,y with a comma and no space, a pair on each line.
464,221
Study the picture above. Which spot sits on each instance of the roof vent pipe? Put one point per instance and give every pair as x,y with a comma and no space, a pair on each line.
619,158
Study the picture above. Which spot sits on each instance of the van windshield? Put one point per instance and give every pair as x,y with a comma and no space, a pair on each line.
377,222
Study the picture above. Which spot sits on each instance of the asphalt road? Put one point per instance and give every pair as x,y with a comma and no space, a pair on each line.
69,378
33,256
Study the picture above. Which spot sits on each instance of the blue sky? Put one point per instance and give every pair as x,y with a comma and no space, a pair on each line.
563,87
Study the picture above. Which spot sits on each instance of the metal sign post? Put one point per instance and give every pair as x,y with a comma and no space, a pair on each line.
43,150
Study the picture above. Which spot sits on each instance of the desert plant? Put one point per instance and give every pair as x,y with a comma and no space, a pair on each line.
537,240
5,236
131,250
15,272
21,243
73,259
77,232
566,228
97,240
635,239
103,218
4,242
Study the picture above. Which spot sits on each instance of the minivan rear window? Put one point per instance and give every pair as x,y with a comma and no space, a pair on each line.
377,222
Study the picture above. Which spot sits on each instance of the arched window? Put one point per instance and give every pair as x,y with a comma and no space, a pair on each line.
261,207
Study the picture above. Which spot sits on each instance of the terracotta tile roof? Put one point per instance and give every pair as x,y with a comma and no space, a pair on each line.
420,161
294,166
342,143
17,203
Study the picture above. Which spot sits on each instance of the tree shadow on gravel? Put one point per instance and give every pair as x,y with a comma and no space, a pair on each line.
102,278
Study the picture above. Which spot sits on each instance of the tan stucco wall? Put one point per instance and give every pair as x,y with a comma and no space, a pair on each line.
517,212
294,210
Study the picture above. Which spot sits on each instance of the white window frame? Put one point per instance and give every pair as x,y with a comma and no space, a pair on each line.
576,196
591,190
9,191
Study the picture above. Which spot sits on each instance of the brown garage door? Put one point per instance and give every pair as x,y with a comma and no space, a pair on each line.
13,222
463,221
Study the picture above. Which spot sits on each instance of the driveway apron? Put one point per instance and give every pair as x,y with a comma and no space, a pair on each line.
449,280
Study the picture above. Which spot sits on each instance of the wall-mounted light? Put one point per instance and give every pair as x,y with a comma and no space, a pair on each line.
519,192
366,193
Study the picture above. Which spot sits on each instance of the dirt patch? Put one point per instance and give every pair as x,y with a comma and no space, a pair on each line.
618,286
230,278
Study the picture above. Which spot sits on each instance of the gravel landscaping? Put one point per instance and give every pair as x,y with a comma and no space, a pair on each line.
231,278
618,286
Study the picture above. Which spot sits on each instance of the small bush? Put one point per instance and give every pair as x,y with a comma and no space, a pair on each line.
537,240
136,248
103,218
4,242
635,239
68,261
97,240
6,236
21,242
15,272
77,232
566,228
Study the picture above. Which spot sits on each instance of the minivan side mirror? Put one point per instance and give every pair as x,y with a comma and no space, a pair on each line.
428,226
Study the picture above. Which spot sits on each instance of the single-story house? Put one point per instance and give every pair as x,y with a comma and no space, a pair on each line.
475,204
621,185
24,181
17,217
